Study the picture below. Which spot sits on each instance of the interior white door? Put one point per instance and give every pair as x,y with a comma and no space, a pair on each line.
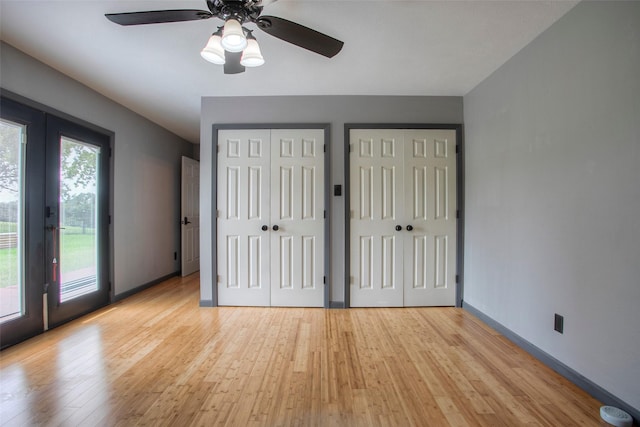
403,225
271,217
243,217
377,198
190,214
297,217
430,212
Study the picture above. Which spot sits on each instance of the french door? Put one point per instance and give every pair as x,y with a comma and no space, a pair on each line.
270,240
22,277
76,220
54,235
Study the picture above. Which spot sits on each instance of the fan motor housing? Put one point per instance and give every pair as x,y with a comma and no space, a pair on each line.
241,10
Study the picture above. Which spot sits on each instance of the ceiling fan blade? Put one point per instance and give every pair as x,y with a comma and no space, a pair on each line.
158,16
232,63
300,35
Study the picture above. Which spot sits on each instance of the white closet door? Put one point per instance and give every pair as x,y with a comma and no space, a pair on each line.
297,210
430,210
271,217
243,210
402,179
377,201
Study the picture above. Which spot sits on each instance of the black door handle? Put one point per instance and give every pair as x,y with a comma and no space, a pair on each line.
276,228
409,227
186,221
265,228
398,228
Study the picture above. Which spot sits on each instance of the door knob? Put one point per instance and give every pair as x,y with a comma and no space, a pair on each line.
265,228
409,227
276,228
398,228
186,221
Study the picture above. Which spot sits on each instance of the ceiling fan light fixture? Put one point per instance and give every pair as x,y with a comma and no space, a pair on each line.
252,57
227,45
213,51
233,38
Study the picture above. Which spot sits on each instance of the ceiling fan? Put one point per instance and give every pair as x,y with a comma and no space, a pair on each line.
234,45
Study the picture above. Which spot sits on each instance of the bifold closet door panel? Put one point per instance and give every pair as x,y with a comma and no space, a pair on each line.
243,210
430,210
376,203
297,210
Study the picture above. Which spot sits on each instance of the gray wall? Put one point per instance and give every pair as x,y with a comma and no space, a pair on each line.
146,182
335,110
553,194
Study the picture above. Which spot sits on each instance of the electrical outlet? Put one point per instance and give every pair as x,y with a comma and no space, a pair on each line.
558,323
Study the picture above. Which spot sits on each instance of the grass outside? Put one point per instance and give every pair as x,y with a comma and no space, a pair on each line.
8,227
78,252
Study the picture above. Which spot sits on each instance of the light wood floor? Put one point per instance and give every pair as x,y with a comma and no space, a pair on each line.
158,359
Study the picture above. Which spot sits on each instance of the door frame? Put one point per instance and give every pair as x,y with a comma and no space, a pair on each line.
326,127
458,128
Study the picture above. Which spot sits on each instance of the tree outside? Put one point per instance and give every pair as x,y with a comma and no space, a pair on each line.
78,171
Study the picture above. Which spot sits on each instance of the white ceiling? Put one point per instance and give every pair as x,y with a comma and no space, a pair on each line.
445,48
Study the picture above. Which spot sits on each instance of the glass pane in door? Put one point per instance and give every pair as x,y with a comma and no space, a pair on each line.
78,257
12,137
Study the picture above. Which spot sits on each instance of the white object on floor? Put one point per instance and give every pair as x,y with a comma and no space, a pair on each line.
615,416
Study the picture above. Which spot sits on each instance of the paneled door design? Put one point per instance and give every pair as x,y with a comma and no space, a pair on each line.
297,217
190,214
270,240
244,159
403,217
376,206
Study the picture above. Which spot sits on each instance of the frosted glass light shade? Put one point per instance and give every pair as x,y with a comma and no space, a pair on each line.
233,38
213,51
251,57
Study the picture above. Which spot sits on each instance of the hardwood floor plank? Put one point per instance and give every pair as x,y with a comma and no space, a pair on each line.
157,358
